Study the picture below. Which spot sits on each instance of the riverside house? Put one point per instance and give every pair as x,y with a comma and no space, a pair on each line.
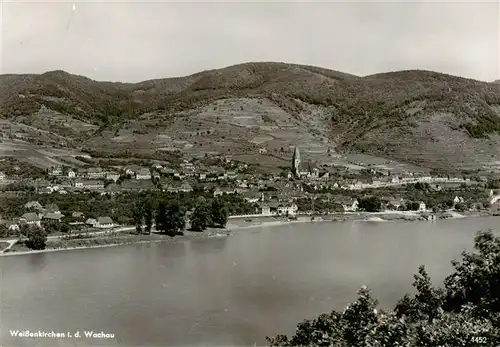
31,218
104,223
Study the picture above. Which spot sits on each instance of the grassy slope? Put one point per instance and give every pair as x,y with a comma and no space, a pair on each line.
417,116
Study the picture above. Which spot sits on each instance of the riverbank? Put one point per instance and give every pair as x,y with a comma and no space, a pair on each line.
114,239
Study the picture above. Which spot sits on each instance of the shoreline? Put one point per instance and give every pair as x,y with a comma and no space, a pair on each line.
231,228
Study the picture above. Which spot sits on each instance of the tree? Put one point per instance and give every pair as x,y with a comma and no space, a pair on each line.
412,206
170,218
369,204
219,213
201,217
161,217
50,226
37,238
148,216
138,216
4,230
464,313
64,228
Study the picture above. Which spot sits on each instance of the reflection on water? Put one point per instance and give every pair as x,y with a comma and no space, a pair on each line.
209,245
37,261
222,291
171,250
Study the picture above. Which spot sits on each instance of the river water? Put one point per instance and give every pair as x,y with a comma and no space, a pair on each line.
225,291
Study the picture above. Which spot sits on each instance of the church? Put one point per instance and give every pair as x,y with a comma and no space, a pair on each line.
301,169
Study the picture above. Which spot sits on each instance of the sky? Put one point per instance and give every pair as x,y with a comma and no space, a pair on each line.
135,41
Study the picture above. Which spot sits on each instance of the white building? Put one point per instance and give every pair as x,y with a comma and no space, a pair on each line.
104,223
422,207
31,218
143,174
290,210
265,210
112,176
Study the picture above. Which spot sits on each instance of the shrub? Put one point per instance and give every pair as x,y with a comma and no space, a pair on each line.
466,312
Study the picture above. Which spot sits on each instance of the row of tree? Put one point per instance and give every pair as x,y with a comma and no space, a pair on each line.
171,216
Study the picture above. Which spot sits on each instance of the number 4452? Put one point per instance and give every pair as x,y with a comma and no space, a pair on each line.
479,339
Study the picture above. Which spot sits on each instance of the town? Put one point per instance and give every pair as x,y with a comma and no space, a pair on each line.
73,204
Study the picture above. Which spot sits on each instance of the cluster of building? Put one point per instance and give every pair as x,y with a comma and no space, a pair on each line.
36,213
275,194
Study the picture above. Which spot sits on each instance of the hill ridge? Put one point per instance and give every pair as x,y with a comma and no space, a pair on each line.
394,114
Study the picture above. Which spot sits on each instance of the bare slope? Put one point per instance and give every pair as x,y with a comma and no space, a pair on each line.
415,116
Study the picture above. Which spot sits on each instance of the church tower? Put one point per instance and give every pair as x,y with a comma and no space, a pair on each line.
296,161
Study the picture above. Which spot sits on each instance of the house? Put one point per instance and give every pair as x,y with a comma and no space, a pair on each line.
168,171
421,206
308,169
170,189
12,226
35,205
31,218
273,207
131,170
113,189
356,186
349,205
458,199
96,173
202,176
185,187
52,208
112,176
104,223
395,203
290,210
229,191
217,192
57,171
53,216
143,174
91,222
137,185
71,174
46,190
324,176
89,184
265,210
77,215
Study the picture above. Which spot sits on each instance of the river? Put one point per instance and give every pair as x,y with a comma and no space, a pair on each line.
224,291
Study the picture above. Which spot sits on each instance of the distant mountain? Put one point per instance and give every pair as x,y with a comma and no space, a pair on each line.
421,117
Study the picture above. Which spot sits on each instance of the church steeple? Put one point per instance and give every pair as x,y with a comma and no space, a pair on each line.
296,161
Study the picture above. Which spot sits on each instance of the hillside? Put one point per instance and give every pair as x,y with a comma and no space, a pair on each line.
419,117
